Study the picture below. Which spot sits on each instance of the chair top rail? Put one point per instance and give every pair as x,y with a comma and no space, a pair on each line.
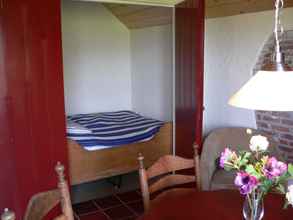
169,163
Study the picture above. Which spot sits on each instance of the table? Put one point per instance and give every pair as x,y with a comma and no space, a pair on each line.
212,205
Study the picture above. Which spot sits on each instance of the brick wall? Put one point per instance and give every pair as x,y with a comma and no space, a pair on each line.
277,124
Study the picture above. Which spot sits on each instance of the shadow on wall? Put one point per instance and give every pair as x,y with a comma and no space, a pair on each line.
277,124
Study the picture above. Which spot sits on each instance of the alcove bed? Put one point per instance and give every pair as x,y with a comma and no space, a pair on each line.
86,166
117,57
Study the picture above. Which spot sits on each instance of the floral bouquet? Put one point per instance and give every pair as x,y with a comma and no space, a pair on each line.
258,174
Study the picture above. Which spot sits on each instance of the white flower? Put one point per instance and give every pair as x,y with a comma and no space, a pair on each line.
258,143
248,131
289,195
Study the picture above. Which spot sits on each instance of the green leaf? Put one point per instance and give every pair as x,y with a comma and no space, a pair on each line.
251,170
266,186
228,167
290,169
284,178
281,189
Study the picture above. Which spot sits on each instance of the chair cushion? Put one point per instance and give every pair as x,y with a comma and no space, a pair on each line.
223,180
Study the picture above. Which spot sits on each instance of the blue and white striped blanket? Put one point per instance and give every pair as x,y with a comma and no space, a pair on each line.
110,129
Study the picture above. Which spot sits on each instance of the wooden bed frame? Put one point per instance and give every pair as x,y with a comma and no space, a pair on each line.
86,166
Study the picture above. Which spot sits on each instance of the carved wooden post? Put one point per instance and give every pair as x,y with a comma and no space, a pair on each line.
144,183
65,195
8,215
197,166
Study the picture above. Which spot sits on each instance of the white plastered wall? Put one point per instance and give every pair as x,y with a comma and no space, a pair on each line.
232,45
96,54
152,71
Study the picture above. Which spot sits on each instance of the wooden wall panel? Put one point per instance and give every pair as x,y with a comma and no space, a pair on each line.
6,164
189,18
32,105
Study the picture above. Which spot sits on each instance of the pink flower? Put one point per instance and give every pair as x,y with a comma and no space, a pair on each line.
274,168
227,156
245,182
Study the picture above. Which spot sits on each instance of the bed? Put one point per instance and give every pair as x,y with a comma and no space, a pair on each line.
88,165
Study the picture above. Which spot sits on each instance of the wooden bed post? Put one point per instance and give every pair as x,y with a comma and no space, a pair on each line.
144,183
8,215
65,195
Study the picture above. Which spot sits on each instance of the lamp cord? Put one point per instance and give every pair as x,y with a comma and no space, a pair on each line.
279,4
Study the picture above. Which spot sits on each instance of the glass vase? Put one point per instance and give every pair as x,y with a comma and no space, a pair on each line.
253,208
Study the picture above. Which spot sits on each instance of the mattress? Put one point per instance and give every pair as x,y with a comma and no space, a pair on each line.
110,129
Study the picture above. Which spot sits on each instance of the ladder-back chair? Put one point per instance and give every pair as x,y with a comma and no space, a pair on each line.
164,169
41,204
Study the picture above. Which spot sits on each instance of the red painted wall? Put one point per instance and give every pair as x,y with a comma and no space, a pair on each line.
189,17
32,116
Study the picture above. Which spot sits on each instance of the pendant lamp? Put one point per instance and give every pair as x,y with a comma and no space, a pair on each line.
271,88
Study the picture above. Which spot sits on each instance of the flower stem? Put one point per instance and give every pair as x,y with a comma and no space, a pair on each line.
249,201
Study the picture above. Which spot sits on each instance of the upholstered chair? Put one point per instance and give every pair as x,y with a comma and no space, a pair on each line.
212,176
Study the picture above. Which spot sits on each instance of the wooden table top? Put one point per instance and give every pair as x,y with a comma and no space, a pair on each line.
216,205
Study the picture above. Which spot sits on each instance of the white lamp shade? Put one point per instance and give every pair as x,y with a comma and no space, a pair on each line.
268,91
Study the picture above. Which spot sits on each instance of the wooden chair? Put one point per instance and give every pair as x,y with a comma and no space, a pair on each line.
41,203
166,167
8,215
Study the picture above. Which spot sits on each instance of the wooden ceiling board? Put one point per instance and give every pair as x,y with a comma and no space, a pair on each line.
214,3
138,16
150,13
149,23
166,3
232,7
121,10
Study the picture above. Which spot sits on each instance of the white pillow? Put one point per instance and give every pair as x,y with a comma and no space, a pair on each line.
75,128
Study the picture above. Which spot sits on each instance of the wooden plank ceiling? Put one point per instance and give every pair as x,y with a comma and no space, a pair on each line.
138,16
223,8
167,3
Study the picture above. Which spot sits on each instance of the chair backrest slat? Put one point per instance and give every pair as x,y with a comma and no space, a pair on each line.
170,180
167,164
41,203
